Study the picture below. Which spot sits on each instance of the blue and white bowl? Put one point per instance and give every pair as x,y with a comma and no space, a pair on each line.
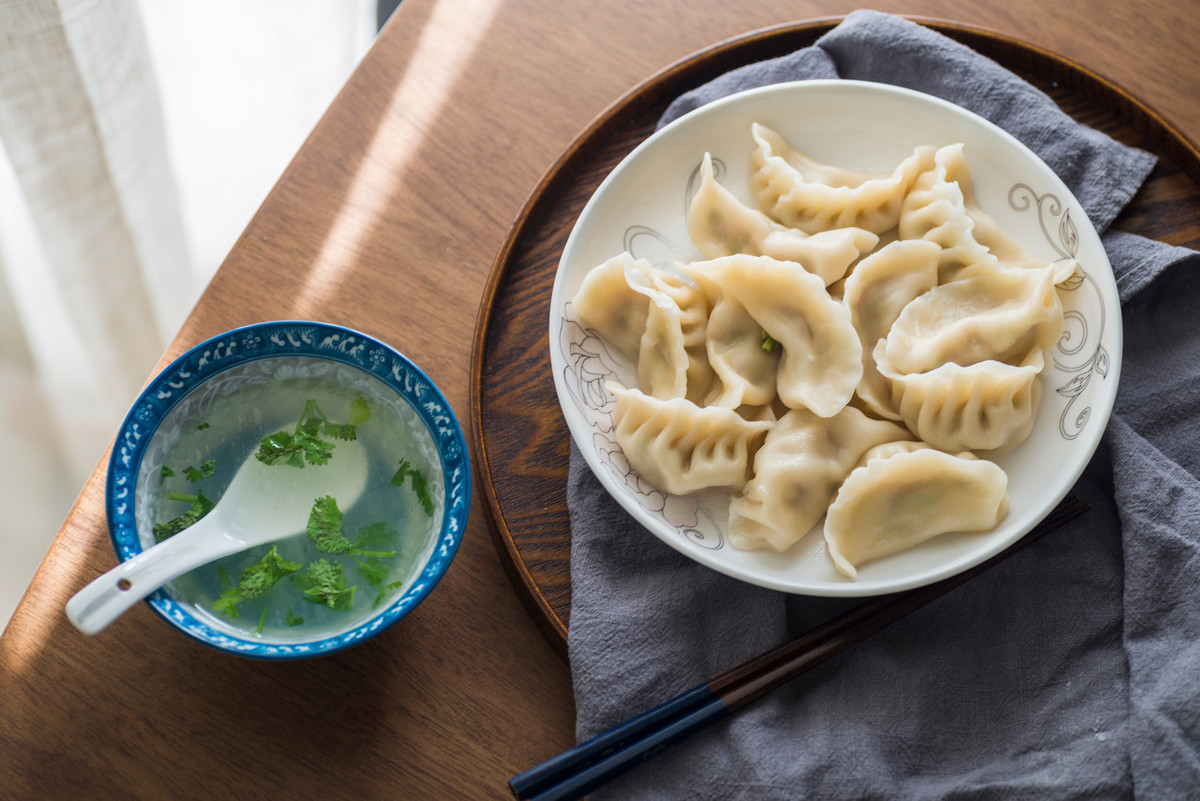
177,403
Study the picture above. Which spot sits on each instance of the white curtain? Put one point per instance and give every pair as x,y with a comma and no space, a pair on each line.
136,140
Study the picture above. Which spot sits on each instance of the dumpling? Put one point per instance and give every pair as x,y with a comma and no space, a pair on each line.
988,406
908,496
662,355
876,292
654,318
935,210
679,447
606,303
744,363
891,449
672,360
799,467
779,306
941,208
803,193
962,361
952,165
721,225
993,313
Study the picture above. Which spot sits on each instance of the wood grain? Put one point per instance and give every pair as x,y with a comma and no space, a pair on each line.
520,435
389,219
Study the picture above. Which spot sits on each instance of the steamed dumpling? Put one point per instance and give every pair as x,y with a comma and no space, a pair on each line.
876,292
721,225
672,362
992,313
963,360
745,366
662,362
803,193
952,165
935,210
606,303
941,208
656,319
679,447
802,462
764,309
909,496
989,405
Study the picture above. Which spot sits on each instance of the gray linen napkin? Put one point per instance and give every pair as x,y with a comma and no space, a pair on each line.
1070,671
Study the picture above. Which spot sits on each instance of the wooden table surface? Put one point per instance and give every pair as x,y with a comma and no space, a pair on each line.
388,220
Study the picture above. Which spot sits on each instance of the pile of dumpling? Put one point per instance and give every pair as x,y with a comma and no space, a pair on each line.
843,351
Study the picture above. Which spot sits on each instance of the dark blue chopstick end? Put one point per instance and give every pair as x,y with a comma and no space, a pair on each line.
542,777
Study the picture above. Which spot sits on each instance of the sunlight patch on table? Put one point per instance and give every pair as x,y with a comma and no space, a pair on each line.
454,31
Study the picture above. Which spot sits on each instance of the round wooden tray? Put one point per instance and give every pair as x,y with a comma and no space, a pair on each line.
520,437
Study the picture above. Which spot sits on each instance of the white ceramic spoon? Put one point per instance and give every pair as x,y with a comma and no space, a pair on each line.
263,503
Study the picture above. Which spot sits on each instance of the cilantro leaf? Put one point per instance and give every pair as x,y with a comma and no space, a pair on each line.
375,572
419,484
384,590
198,506
227,603
278,448
263,574
376,535
372,569
316,450
325,526
360,412
304,444
343,431
293,619
325,531
255,580
166,472
326,585
202,427
206,469
311,418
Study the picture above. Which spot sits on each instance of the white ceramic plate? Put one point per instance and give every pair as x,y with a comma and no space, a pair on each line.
641,208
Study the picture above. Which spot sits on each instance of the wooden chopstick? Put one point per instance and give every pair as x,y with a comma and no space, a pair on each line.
589,765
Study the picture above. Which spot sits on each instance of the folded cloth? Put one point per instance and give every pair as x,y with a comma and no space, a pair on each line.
1071,670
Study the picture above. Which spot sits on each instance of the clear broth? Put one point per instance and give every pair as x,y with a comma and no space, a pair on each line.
228,427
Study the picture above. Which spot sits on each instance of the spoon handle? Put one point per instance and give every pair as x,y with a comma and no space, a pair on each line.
112,594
